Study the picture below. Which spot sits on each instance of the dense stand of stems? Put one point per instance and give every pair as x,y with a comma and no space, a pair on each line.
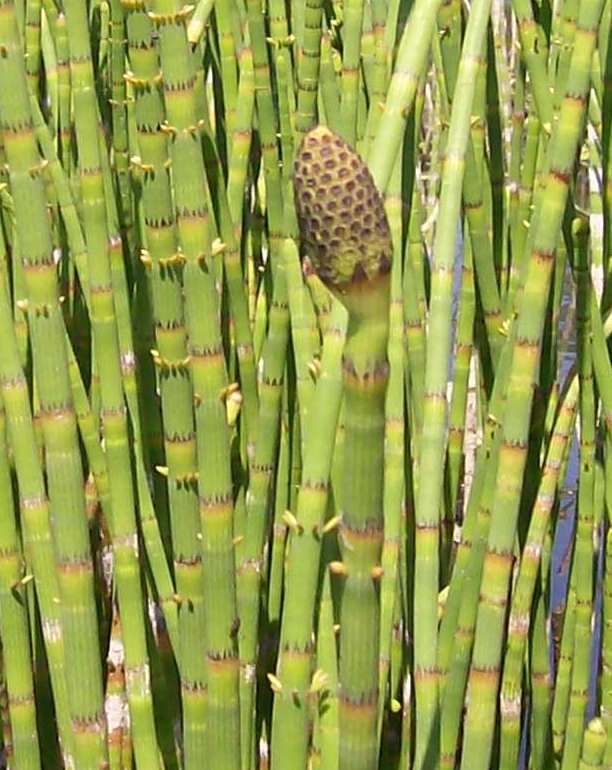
305,384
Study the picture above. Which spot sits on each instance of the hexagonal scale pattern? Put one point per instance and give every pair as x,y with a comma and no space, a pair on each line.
342,219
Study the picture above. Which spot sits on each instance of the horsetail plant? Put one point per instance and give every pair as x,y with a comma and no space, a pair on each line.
113,412
163,260
209,381
345,232
305,385
62,459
